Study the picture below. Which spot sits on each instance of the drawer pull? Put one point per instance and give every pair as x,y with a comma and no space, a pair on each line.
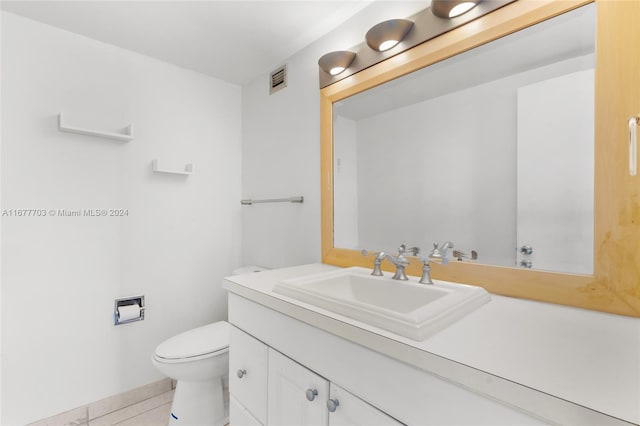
332,404
311,394
241,373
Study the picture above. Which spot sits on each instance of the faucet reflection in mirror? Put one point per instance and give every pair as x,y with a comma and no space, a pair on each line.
438,255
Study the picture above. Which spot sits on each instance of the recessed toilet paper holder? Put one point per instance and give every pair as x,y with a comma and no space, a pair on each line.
128,309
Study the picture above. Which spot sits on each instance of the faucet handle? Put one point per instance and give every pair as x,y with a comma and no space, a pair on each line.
439,253
403,249
379,255
377,271
460,255
444,246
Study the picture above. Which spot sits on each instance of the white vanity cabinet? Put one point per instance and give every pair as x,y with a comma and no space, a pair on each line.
298,396
371,388
247,379
240,416
352,411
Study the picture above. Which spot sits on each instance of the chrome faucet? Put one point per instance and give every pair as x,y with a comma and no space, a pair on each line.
438,254
399,261
379,257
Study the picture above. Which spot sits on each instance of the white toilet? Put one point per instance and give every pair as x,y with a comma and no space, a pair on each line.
198,359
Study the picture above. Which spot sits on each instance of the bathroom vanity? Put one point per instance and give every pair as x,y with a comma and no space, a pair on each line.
507,362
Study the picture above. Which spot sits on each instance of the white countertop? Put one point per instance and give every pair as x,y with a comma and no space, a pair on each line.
588,358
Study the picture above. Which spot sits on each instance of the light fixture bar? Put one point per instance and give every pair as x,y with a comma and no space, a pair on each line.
426,25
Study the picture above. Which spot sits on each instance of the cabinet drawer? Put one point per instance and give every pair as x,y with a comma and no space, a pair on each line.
239,416
349,410
248,373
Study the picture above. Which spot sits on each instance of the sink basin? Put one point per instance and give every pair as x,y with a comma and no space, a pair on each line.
407,308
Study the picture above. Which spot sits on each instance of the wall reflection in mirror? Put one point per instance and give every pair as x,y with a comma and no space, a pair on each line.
491,149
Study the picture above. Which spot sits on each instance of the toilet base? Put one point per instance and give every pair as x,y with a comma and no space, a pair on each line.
199,403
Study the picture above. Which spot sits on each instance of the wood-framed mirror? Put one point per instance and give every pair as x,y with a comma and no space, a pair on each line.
614,284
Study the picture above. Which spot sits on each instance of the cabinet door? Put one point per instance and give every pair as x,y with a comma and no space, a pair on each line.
248,373
297,396
240,416
352,411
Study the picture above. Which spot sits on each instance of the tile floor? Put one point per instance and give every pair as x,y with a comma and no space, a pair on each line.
153,408
148,405
150,412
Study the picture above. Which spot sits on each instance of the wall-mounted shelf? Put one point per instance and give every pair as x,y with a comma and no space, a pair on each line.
188,169
124,137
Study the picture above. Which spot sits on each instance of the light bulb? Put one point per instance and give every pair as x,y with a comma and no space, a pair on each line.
386,45
461,8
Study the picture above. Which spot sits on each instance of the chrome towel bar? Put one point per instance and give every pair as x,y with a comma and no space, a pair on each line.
298,199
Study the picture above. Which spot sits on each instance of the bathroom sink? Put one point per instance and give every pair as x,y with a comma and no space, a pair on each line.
407,308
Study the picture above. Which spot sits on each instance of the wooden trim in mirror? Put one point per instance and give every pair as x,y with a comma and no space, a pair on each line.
615,284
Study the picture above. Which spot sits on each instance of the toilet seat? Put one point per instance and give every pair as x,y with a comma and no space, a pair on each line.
202,342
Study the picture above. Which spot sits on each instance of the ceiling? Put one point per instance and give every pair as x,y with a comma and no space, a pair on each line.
233,40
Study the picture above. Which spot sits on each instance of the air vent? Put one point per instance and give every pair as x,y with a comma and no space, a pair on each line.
278,80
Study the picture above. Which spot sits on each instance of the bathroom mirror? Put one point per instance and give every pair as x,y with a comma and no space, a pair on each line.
494,136
491,149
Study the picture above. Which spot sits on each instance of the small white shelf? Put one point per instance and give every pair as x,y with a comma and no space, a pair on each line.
188,169
123,137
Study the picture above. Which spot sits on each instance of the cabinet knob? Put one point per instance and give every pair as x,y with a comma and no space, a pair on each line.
527,263
332,404
311,394
241,373
526,250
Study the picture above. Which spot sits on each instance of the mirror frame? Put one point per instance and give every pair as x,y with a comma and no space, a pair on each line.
614,285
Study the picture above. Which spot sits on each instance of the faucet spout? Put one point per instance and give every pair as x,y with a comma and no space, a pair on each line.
440,252
379,257
400,262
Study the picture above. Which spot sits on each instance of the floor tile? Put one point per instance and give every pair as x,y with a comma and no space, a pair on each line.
134,410
75,417
156,417
117,402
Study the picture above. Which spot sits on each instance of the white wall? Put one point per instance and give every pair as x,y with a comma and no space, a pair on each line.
556,172
60,275
281,147
433,176
345,183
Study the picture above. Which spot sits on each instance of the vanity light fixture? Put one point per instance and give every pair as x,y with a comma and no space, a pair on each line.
387,34
395,36
334,63
452,8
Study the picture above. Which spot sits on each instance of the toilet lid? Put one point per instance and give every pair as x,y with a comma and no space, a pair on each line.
199,341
